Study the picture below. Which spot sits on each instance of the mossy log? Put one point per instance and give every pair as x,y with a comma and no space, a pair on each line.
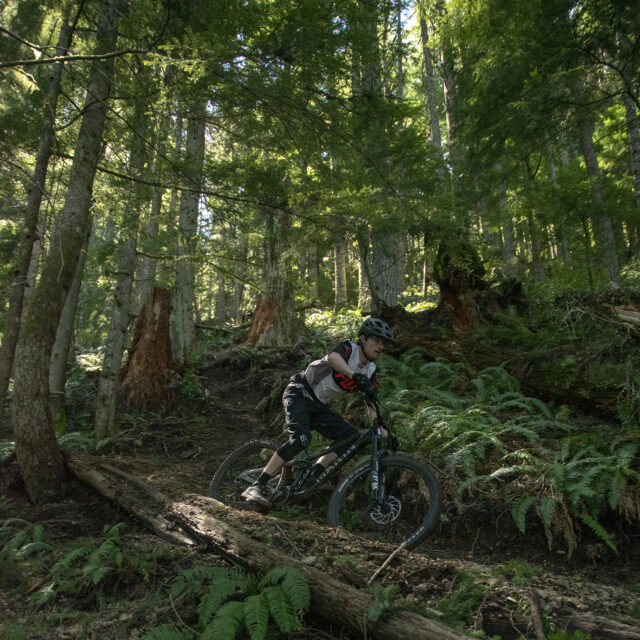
205,519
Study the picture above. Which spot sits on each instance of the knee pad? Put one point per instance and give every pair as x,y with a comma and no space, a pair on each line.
297,442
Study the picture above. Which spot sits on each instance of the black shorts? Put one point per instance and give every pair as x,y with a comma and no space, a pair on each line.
303,415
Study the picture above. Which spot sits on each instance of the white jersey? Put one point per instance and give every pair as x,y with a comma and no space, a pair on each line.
327,383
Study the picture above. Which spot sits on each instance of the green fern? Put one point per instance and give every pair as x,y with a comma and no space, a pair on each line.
223,585
31,548
193,580
227,623
256,616
546,509
296,587
519,511
64,564
599,530
282,610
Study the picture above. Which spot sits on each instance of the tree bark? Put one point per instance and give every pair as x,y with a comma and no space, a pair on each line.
37,451
239,270
148,371
62,346
459,274
383,276
20,272
429,81
633,135
603,228
313,272
275,322
364,288
220,312
340,271
148,268
108,386
183,331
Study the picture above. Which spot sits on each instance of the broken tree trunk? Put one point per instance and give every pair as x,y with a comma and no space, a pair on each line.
205,519
148,371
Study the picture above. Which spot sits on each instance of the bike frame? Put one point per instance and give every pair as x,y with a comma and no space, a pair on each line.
372,436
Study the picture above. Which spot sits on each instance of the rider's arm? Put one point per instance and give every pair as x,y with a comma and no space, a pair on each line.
338,363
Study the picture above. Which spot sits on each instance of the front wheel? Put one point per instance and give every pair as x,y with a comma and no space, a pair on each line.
408,507
240,469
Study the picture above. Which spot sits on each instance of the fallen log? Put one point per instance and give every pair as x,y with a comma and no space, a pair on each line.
600,627
204,518
122,493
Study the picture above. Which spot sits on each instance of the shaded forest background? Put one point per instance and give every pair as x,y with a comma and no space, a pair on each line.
185,183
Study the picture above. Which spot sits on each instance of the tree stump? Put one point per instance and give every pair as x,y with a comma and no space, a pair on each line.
148,371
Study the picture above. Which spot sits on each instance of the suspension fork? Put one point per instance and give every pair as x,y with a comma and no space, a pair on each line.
377,477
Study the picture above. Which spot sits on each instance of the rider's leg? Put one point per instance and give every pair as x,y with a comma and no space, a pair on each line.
334,427
297,419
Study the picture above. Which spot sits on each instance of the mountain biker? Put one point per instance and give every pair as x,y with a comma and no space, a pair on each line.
347,368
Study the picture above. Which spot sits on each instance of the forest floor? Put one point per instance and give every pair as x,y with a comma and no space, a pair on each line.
476,567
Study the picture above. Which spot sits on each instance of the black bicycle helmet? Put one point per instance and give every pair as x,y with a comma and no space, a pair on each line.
376,327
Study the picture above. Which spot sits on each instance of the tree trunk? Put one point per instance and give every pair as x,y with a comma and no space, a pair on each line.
220,313
314,275
62,346
459,274
183,330
148,371
562,240
449,86
239,270
603,229
148,267
340,271
429,81
36,447
364,288
106,403
20,272
633,135
275,322
383,277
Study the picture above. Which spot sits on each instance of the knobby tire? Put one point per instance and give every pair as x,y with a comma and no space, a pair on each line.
412,485
240,469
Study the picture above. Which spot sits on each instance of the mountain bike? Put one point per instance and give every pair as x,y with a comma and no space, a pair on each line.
385,496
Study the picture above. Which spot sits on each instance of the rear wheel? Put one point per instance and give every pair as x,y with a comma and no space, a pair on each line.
409,508
240,469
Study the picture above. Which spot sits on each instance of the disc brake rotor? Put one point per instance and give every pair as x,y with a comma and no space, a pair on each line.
386,512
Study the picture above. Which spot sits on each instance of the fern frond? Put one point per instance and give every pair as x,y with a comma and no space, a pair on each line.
193,579
519,469
226,624
256,616
98,574
65,563
281,610
33,547
598,529
224,584
273,576
519,511
296,586
546,508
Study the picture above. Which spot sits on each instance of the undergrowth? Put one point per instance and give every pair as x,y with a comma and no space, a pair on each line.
498,443
232,603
